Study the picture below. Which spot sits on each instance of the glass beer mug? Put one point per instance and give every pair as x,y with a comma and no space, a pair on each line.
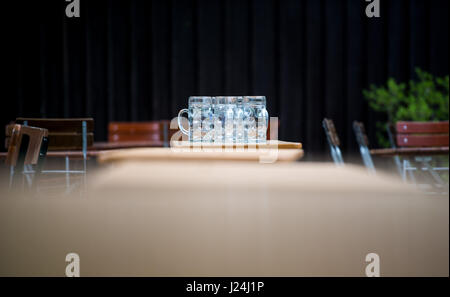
223,114
256,119
239,120
200,119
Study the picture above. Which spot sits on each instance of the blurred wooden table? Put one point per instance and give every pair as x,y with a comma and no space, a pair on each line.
159,218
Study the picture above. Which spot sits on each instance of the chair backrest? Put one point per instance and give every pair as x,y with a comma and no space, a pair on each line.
25,144
63,134
272,134
156,131
360,133
333,141
330,131
422,134
363,142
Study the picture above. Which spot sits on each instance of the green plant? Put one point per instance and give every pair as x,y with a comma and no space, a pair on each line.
424,99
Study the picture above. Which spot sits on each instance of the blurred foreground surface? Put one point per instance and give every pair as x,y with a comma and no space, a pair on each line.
227,219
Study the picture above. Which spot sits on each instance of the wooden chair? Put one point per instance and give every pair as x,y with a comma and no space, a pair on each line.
422,135
363,143
157,133
27,146
333,141
66,135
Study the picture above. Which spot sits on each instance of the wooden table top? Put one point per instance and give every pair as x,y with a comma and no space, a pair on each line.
228,219
409,151
267,155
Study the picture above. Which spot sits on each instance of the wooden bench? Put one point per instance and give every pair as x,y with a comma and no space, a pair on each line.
417,138
422,134
416,142
156,132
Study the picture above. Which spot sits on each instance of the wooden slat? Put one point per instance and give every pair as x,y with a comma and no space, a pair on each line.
135,137
410,151
137,131
134,127
424,140
331,131
360,132
36,136
275,133
422,127
13,146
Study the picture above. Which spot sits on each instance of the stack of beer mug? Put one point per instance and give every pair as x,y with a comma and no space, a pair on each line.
226,119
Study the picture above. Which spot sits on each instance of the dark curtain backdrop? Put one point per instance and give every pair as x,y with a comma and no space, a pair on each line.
140,60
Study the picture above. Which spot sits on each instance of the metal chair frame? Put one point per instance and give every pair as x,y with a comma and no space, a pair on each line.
333,142
363,143
408,167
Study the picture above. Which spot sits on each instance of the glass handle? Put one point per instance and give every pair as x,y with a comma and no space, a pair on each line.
266,115
184,131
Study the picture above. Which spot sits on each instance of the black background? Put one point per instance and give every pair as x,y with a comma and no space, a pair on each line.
140,60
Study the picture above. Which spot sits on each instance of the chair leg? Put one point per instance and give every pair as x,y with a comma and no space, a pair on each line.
17,174
410,170
67,161
40,162
433,173
84,127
